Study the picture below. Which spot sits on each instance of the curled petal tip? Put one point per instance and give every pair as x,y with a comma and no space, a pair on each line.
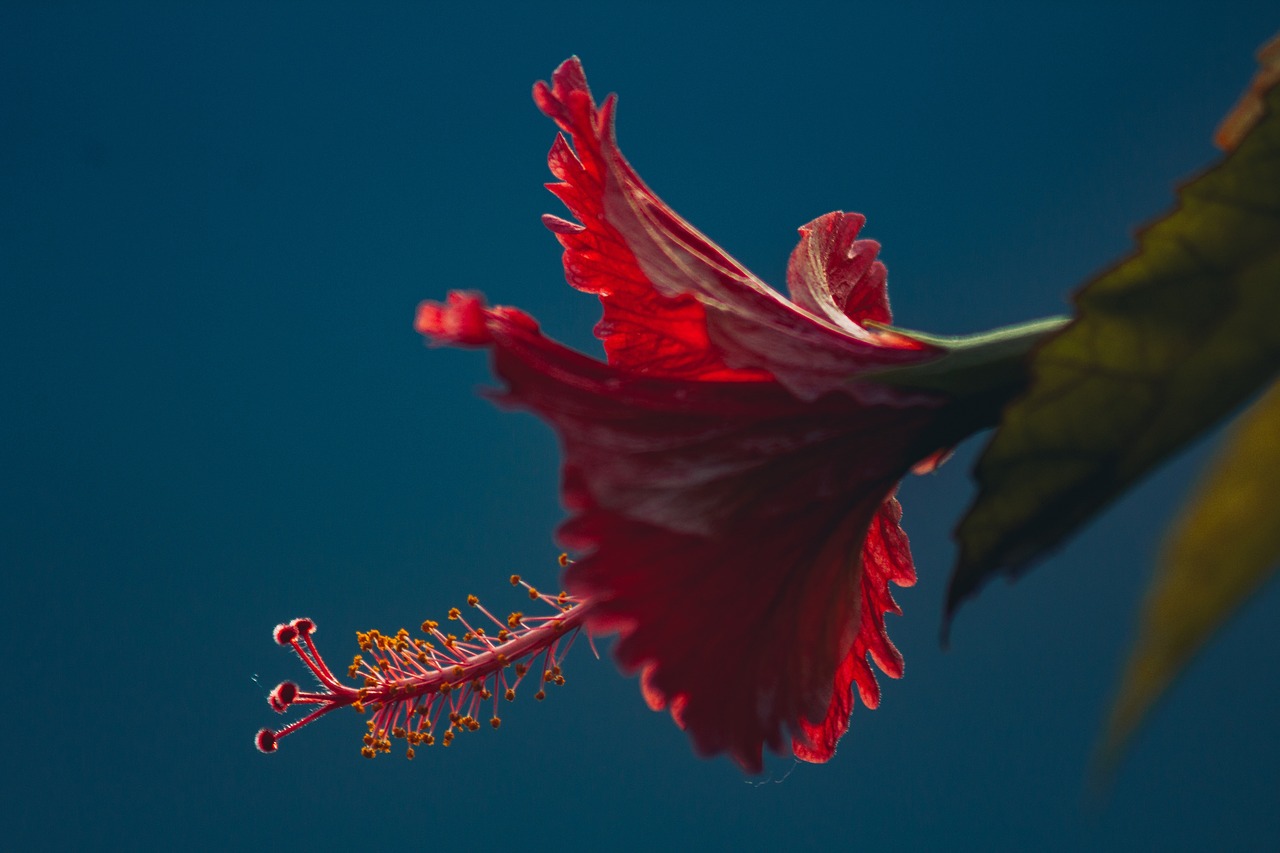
460,320
552,99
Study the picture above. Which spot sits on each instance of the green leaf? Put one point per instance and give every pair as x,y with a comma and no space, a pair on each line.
1163,345
1225,545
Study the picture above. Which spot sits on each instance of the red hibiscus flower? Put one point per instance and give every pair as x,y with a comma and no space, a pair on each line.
730,471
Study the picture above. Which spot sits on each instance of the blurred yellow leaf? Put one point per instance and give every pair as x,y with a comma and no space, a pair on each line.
1224,545
1163,346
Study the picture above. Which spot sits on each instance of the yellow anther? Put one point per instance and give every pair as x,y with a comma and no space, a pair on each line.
533,594
503,634
485,694
398,732
540,695
502,660
473,600
454,613
429,626
564,560
368,752
511,694
408,753
479,632
468,637
515,579
495,722
562,597
548,675
445,687
457,671
449,641
521,669
559,680
513,621
429,739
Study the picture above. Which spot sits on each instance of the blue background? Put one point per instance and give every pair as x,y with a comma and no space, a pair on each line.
214,228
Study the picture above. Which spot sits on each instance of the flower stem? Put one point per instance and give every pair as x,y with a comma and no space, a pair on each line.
973,365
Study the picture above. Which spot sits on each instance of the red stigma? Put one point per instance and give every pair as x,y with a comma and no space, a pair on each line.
282,696
285,634
265,740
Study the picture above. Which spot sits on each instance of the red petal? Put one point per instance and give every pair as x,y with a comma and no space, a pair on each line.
641,329
886,557
721,524
676,304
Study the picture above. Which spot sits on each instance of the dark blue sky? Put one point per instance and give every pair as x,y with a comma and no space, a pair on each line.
214,228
